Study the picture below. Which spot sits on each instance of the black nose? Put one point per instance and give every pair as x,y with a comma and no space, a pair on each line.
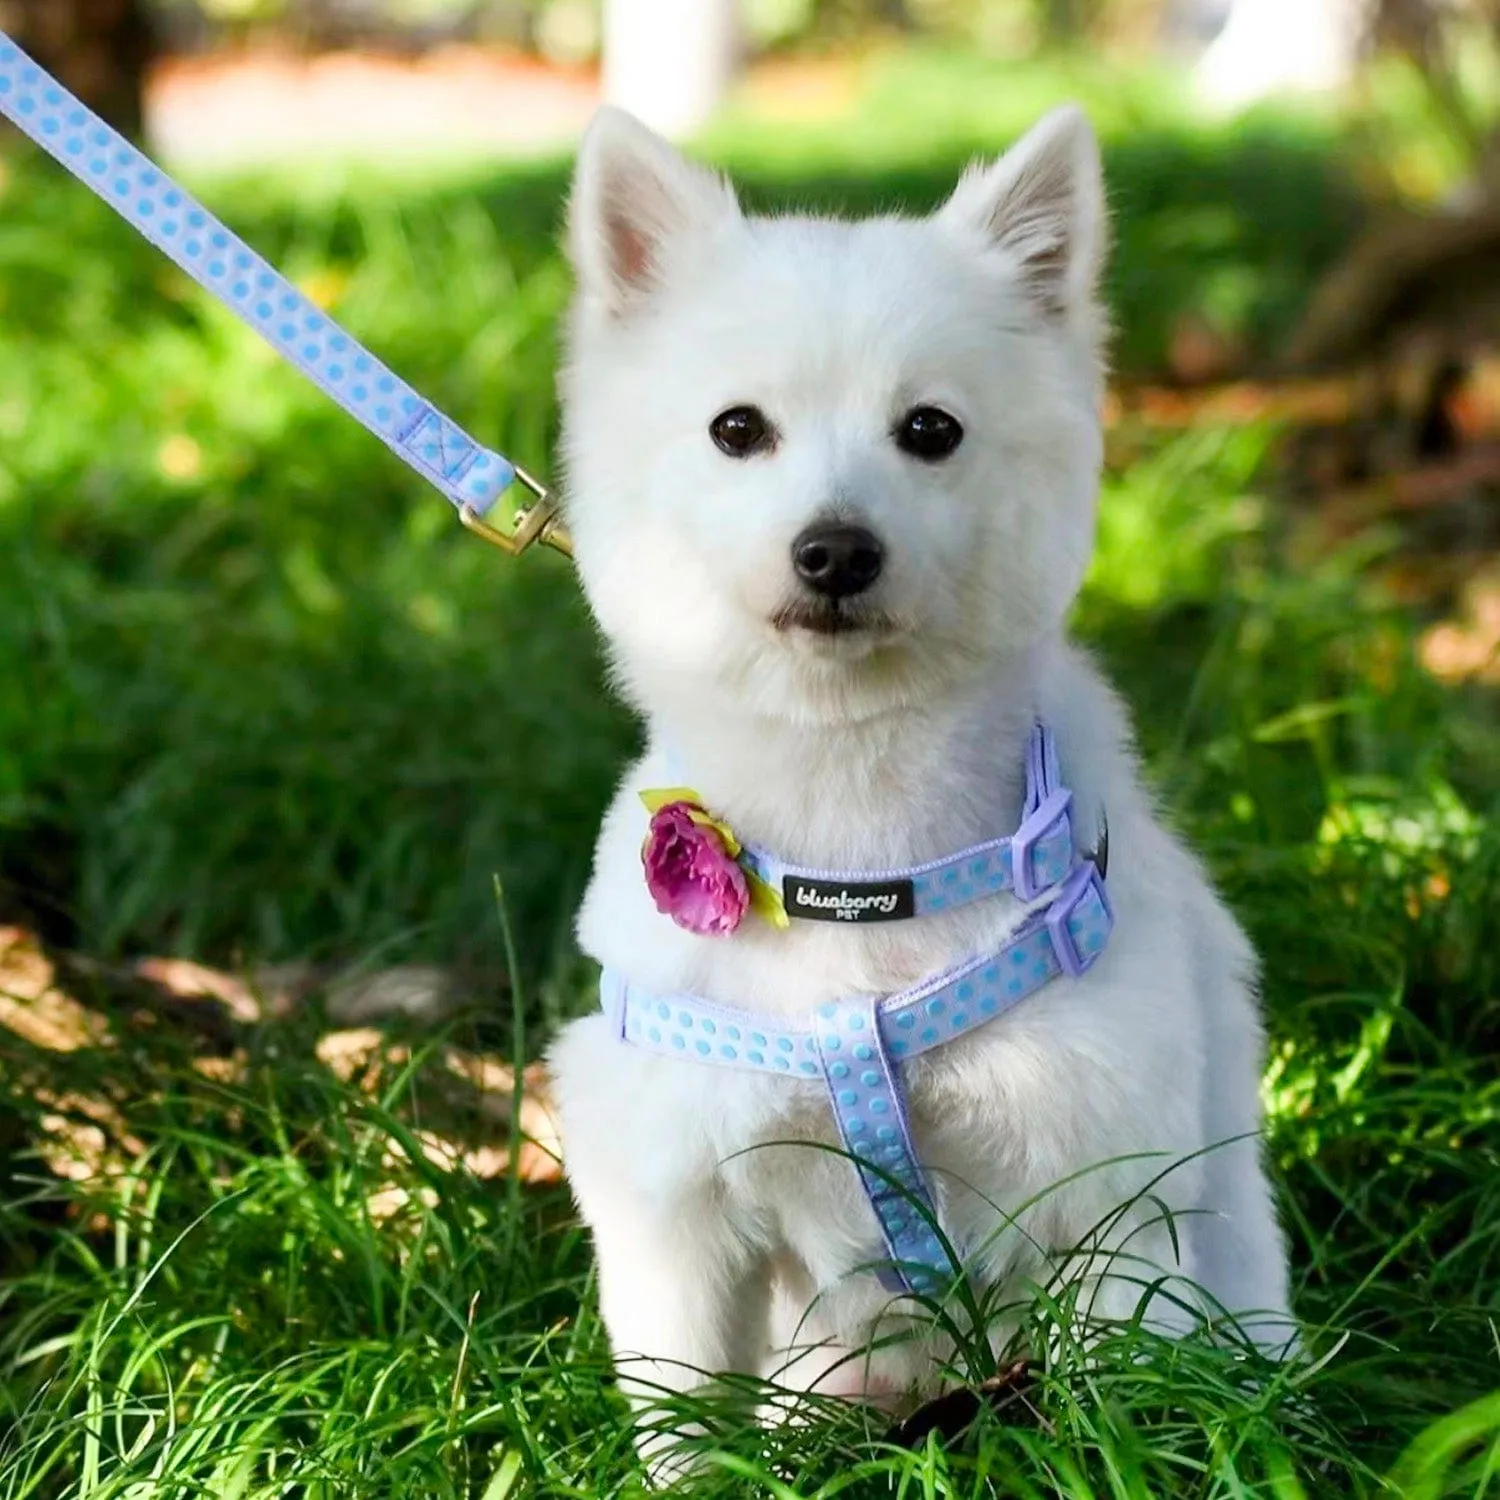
837,560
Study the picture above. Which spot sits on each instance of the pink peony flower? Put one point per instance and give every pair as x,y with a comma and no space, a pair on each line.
691,875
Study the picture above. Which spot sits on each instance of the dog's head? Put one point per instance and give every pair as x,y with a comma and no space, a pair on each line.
830,467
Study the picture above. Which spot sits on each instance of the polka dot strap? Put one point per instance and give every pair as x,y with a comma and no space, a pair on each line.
468,475
864,1086
685,1026
1037,857
1065,937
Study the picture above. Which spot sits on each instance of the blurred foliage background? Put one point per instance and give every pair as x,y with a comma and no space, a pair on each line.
264,707
215,583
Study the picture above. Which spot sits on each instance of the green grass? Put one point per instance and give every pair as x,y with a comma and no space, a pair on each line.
260,699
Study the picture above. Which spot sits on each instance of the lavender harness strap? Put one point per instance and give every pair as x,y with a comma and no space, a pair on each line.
1033,860
857,1046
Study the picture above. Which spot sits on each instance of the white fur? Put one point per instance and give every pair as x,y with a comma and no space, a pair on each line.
718,1251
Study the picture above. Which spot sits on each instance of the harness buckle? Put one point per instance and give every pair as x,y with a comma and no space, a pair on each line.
1052,811
1085,881
537,522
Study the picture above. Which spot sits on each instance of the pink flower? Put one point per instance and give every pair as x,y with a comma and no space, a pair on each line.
691,875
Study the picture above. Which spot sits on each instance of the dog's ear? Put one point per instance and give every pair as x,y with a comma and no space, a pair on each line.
1042,206
633,195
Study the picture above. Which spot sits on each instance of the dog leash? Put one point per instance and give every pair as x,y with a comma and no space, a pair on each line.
470,476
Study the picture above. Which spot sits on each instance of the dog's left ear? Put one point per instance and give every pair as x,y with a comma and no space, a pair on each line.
1041,205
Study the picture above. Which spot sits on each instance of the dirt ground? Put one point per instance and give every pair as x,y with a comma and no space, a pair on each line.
255,108
228,112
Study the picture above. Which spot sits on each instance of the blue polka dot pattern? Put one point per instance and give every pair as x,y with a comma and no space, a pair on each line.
706,1032
468,475
1067,937
872,1124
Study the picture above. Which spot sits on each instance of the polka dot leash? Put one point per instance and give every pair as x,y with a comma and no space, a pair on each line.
471,477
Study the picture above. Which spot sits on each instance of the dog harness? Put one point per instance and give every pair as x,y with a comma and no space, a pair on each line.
857,1045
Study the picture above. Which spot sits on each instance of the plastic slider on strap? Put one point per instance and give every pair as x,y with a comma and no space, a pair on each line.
1079,921
1034,829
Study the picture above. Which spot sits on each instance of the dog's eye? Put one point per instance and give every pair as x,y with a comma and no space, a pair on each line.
741,431
928,432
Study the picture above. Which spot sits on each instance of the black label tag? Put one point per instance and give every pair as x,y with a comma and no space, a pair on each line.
840,901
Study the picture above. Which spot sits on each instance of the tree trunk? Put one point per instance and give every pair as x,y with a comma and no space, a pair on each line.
98,48
1066,22
670,62
1423,274
1269,47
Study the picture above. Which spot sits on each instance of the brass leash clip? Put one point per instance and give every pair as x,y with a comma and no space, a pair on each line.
536,522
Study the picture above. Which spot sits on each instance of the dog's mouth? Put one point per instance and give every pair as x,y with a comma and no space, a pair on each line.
831,617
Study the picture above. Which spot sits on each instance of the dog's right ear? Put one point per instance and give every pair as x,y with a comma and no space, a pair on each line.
633,195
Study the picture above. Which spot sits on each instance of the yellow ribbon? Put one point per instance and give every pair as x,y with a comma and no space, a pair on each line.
765,899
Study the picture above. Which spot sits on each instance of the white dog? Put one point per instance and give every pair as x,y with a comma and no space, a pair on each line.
832,489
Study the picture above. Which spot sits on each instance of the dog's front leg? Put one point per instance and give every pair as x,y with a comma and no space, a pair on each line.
1139,1269
684,1298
